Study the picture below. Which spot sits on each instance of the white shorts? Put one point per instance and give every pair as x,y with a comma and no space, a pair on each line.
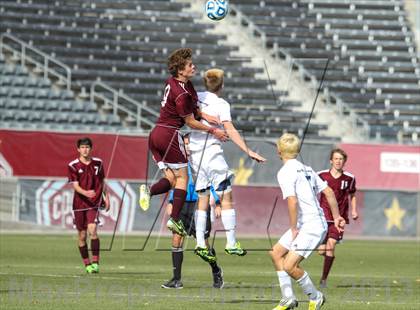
210,167
306,242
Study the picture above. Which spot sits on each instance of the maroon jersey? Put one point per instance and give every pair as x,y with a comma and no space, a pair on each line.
342,187
179,100
90,177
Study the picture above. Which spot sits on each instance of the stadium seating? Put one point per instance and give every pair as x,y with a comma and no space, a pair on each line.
30,102
373,67
125,44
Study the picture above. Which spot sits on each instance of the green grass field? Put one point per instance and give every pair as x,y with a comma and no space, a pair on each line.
45,272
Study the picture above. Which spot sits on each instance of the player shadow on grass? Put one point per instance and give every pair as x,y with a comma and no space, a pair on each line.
368,286
128,273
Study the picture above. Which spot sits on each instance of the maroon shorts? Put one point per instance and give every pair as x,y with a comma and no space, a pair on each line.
85,217
167,147
333,233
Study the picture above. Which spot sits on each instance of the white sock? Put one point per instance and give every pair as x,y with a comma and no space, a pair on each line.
229,222
307,286
200,227
285,285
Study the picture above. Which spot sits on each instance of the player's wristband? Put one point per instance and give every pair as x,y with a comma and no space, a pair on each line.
212,130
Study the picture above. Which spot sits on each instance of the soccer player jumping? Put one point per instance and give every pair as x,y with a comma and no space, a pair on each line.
87,175
300,186
209,164
343,184
178,107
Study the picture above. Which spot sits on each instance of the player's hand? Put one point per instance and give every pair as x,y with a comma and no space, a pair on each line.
257,157
214,120
295,232
169,209
221,135
217,211
339,223
90,193
354,215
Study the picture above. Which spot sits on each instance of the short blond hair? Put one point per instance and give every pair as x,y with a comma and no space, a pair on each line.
288,145
213,80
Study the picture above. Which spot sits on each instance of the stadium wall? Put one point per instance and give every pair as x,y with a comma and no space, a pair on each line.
388,179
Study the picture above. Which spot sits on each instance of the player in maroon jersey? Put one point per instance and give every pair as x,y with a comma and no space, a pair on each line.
178,107
343,184
87,175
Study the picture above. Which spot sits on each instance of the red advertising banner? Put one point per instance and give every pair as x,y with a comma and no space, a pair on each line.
256,213
394,167
46,154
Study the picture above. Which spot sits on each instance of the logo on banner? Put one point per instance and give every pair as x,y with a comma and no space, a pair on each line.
54,205
400,162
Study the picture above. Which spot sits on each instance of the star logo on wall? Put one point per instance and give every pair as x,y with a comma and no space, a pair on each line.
242,174
395,215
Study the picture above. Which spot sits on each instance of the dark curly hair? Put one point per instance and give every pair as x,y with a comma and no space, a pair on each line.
178,59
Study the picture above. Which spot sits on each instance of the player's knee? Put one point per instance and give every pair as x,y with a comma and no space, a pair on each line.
289,267
177,240
275,255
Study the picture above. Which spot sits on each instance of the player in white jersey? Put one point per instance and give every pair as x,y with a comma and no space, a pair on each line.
300,186
210,166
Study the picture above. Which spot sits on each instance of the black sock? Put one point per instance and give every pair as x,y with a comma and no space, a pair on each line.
177,258
214,267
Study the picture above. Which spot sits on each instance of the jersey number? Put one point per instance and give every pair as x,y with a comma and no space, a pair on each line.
344,184
96,170
165,95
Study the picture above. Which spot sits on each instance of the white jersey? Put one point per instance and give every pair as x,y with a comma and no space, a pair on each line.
213,105
296,179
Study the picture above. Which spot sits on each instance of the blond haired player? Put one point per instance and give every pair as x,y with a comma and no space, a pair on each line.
210,166
300,186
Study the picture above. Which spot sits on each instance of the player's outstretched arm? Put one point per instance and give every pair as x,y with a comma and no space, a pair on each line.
339,222
194,124
237,139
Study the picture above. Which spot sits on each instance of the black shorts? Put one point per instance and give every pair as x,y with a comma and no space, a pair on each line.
187,218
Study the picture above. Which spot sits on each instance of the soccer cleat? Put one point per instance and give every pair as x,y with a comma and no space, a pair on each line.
317,303
323,284
218,279
173,284
205,254
89,269
286,304
144,197
236,250
176,227
95,267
